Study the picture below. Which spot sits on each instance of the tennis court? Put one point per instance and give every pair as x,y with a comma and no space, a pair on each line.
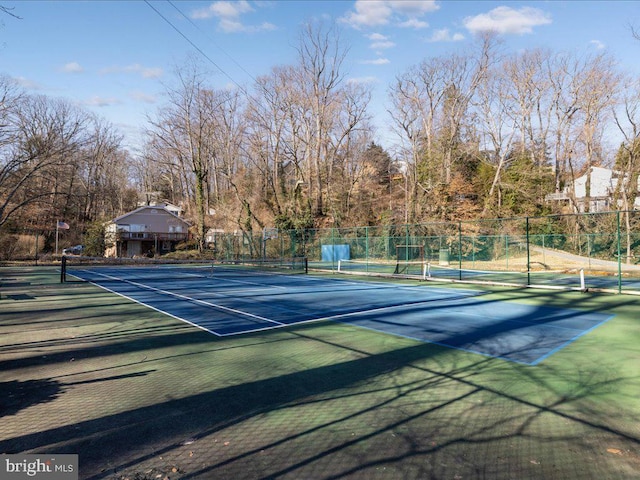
369,378
227,301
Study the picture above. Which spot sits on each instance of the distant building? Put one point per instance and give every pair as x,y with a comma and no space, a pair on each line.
602,188
212,235
146,231
175,209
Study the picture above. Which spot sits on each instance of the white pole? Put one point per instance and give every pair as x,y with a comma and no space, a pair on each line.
339,265
582,285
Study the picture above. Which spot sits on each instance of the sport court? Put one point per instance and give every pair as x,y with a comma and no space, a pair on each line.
226,301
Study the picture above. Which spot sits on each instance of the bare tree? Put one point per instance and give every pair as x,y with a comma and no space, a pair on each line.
103,169
531,92
183,128
499,120
275,145
416,99
432,113
627,119
320,58
597,84
41,137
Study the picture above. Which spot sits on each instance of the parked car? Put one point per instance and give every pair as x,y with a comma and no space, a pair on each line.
75,250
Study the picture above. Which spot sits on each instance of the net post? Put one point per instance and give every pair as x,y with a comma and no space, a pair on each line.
63,269
339,266
426,270
583,287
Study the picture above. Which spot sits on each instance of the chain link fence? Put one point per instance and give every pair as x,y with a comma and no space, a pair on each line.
598,251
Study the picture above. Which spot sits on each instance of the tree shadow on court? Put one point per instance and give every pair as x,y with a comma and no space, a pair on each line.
442,415
170,426
17,395
20,395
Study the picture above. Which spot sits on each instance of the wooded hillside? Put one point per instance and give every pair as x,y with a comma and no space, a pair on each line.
479,133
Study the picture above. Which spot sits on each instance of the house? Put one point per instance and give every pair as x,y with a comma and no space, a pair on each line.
148,230
212,236
603,183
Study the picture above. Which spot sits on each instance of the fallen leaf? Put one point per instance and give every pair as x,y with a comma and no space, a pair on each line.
615,451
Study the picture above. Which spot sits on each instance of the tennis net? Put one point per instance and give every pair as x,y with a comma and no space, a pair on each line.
561,279
382,268
94,269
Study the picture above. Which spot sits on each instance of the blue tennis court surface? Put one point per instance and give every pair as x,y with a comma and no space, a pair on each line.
225,304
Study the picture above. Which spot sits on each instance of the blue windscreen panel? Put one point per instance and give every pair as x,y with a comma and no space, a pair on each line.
333,253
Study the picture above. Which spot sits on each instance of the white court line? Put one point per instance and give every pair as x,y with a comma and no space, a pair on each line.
182,297
149,306
328,318
275,323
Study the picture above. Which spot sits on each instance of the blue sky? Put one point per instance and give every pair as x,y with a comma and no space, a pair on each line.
114,57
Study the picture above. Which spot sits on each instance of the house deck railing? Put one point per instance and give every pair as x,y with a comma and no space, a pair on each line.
160,236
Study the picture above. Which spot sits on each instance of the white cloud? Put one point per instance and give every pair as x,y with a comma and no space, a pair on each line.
375,37
414,7
444,35
414,23
507,20
362,80
28,84
377,61
145,72
404,13
143,97
597,44
382,45
228,14
222,9
233,26
379,41
369,14
98,101
72,67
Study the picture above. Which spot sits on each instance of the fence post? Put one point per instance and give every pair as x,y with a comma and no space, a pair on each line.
528,255
333,246
506,249
366,245
619,254
460,249
406,242
473,251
